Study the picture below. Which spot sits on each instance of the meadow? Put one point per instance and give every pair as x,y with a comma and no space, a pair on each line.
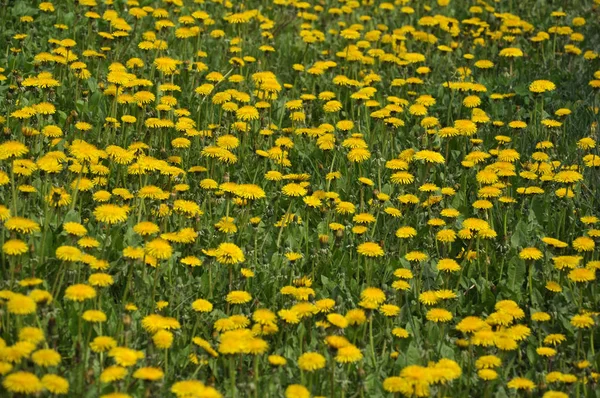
283,198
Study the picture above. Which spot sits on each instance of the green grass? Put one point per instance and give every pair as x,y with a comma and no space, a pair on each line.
492,267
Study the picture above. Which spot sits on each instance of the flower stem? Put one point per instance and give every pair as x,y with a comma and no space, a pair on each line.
232,377
371,339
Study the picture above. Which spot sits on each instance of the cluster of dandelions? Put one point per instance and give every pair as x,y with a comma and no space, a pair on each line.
295,198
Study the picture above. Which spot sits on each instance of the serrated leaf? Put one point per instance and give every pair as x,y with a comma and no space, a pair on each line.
447,352
413,354
516,275
72,216
519,235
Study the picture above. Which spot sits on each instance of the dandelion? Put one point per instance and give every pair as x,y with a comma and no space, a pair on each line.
348,354
541,86
487,374
582,275
19,304
159,248
229,253
146,228
582,321
511,52
583,243
46,357
530,253
296,391
438,315
429,156
521,383
14,247
294,189
110,214
55,384
546,351
68,253
103,344
148,373
202,305
238,297
80,292
12,149
22,383
311,361
370,249
372,297
113,373
247,113
166,65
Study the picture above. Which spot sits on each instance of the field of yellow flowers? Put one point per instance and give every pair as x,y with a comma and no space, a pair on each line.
287,198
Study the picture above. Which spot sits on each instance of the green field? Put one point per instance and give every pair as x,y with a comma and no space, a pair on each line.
281,198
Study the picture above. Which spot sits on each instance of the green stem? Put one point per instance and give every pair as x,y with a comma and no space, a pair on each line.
233,391
155,284
283,221
256,376
14,190
332,381
166,362
371,343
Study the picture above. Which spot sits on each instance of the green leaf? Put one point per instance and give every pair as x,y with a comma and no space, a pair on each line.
81,106
487,296
516,275
95,99
72,216
531,355
501,393
371,383
522,89
519,236
62,116
447,352
413,355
